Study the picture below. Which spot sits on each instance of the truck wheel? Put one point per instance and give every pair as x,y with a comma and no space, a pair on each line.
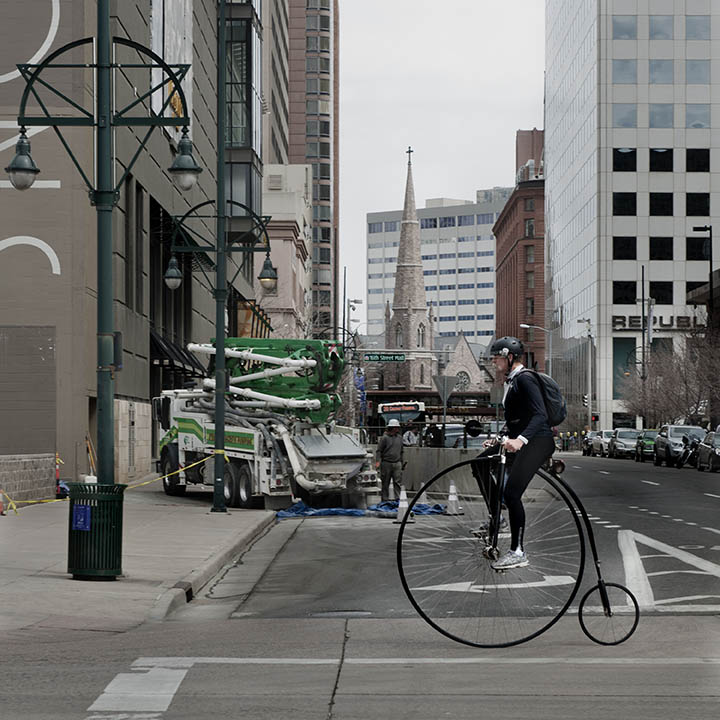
238,486
171,485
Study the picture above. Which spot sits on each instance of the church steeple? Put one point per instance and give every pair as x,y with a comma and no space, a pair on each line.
409,280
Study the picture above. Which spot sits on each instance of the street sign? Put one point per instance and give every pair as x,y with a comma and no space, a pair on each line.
383,357
445,384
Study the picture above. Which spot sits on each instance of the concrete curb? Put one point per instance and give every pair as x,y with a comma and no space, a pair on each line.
184,590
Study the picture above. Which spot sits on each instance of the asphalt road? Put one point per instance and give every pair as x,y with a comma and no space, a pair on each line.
311,622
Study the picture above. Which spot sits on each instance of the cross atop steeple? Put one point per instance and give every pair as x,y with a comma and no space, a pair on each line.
409,152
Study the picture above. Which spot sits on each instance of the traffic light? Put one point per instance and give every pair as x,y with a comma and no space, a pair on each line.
585,400
595,417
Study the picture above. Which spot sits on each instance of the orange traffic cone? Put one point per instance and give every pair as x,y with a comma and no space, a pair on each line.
403,508
453,504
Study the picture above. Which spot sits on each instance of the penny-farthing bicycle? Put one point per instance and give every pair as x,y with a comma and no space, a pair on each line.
445,561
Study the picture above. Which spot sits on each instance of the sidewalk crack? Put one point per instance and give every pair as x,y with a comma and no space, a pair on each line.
346,637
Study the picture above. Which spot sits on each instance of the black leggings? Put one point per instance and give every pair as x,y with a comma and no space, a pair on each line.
521,467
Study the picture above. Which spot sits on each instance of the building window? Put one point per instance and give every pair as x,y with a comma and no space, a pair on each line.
697,115
697,204
696,248
624,27
530,280
530,227
624,203
661,160
661,72
697,27
485,218
529,254
422,374
661,115
691,285
624,72
624,292
529,204
426,223
624,159
661,248
662,291
464,220
661,27
375,227
697,72
421,336
398,336
448,221
624,248
697,160
661,203
624,115
391,226
529,306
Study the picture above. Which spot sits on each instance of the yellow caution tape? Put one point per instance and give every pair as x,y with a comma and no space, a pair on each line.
13,504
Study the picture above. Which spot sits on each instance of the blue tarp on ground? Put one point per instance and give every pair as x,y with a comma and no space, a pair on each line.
300,509
418,508
389,507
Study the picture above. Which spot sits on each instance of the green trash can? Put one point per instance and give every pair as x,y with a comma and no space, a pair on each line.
95,531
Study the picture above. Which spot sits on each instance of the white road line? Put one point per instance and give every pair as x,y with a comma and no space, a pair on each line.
712,530
151,691
187,662
602,522
635,576
613,527
603,472
650,482
711,495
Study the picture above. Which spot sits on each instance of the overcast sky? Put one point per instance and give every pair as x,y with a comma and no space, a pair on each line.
454,79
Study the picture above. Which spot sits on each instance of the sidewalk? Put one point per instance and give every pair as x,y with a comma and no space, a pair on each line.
171,548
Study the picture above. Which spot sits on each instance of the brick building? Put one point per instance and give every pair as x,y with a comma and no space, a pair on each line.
520,247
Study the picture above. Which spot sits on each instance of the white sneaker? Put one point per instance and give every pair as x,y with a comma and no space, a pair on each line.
511,559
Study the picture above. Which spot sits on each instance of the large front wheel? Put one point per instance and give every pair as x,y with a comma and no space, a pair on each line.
446,568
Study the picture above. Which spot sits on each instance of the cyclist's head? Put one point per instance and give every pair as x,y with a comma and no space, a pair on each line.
507,347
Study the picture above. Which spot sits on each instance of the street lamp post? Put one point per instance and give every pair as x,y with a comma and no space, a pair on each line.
104,193
243,243
548,332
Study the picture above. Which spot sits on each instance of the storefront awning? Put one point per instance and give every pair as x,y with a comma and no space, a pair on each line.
168,354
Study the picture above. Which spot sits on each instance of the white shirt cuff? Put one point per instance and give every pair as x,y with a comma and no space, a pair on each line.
524,439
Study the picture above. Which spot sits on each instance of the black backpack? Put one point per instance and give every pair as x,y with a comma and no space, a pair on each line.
555,406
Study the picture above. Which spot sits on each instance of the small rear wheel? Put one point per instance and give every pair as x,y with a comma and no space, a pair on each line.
612,625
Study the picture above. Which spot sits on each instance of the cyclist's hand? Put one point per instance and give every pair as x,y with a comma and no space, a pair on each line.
513,445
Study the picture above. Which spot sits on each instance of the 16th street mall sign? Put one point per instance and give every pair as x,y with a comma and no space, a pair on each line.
383,357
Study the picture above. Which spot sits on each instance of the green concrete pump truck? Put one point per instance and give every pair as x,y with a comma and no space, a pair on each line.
281,440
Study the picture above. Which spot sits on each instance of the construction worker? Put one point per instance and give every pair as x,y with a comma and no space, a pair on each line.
388,457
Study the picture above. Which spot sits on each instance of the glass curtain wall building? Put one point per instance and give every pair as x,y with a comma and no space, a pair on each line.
629,124
313,129
458,255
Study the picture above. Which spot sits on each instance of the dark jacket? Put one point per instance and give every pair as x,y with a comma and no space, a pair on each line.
525,412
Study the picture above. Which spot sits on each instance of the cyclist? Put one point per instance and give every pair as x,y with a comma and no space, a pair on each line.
529,440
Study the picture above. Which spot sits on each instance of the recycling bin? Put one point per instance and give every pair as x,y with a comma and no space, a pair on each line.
95,531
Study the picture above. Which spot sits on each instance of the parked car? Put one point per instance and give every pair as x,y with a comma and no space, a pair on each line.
645,445
600,443
622,443
709,453
669,443
454,437
587,441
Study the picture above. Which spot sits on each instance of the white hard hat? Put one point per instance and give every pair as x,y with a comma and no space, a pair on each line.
394,423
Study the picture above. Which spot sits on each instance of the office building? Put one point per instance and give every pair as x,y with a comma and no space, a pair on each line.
313,139
458,259
631,150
